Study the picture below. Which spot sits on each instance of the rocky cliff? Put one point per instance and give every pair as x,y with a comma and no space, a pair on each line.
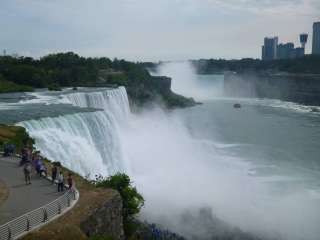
300,88
105,220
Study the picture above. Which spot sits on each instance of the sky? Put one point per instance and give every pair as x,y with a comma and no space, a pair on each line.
152,30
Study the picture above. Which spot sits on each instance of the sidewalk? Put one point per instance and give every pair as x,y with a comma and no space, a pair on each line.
23,198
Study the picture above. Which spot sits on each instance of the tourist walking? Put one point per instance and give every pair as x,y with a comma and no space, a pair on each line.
54,172
27,172
60,182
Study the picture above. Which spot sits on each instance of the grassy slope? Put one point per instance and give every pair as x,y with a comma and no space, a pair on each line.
14,134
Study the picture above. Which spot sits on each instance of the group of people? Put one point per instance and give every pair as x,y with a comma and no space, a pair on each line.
8,149
58,177
32,160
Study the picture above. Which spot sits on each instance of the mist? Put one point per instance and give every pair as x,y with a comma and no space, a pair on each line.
194,183
198,188
186,82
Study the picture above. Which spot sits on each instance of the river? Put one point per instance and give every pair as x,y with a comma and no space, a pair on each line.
206,171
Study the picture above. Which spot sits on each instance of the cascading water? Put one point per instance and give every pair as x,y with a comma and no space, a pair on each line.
179,172
115,102
88,143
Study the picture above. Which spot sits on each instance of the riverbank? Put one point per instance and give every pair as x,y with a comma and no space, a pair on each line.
293,87
56,71
9,87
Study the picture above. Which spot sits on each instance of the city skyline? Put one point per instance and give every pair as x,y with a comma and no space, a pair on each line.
147,30
273,49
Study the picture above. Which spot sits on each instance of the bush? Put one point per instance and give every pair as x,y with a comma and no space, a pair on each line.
132,200
54,87
15,135
7,86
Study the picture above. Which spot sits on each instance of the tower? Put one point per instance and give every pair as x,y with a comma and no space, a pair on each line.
303,39
316,38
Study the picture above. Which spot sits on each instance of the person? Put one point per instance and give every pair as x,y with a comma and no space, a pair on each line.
37,164
27,172
54,171
8,150
60,182
43,170
70,181
24,156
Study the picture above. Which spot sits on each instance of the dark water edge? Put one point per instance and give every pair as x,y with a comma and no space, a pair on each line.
37,111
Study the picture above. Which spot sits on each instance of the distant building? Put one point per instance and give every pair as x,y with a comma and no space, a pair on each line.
285,50
303,39
269,49
316,38
297,52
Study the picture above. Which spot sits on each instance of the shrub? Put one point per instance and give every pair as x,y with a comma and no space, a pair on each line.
54,87
132,200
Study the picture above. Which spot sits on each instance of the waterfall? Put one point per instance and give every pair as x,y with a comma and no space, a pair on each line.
87,143
113,101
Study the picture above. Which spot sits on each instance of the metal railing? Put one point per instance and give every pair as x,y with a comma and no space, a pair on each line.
36,218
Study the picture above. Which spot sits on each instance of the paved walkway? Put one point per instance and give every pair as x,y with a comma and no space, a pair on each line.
23,198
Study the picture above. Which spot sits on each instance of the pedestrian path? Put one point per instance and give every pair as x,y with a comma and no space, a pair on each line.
23,198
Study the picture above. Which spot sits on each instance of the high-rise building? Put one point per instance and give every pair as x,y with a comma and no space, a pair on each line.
269,49
285,50
316,38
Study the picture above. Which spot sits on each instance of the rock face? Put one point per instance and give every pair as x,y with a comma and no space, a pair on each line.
300,88
106,220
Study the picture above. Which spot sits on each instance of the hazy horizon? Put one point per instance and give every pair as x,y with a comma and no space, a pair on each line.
147,30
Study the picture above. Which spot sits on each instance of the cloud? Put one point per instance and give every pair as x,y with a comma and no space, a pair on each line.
151,29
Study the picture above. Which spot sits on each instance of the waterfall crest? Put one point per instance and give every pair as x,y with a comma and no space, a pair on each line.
87,143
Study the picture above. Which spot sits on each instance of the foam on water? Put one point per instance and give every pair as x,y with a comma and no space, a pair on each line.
174,171
87,143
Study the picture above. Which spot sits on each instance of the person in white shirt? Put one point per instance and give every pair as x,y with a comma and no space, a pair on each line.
60,179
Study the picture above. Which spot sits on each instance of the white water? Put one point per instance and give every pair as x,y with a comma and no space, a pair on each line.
87,143
175,172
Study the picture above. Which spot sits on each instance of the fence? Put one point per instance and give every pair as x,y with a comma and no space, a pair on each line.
38,217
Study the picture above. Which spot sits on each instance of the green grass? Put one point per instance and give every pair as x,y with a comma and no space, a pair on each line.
16,135
7,87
